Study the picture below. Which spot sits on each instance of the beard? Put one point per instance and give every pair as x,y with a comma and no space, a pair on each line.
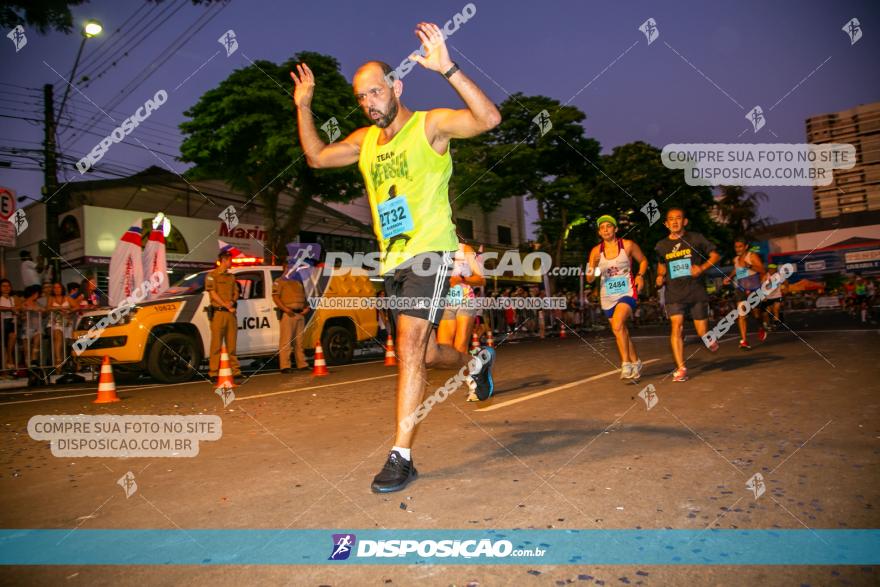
386,118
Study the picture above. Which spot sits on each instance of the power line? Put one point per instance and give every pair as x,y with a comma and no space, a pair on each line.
23,141
106,127
133,42
22,118
169,52
20,94
130,144
109,106
114,37
149,122
108,49
130,40
18,109
148,148
19,102
19,87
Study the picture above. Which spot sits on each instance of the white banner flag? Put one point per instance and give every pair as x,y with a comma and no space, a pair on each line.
126,266
155,262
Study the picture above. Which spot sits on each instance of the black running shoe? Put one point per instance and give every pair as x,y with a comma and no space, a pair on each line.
395,475
483,379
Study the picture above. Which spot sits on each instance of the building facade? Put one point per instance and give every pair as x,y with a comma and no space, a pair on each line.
846,244
856,189
99,212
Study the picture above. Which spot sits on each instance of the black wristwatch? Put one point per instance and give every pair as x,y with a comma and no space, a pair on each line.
452,70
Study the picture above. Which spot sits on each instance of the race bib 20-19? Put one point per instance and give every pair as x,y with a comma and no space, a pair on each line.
680,268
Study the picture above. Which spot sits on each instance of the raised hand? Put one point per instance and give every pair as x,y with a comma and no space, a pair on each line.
305,86
436,57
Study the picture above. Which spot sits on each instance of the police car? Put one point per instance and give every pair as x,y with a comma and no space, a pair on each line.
169,338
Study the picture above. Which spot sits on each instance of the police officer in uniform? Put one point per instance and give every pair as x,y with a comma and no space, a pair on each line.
223,292
290,302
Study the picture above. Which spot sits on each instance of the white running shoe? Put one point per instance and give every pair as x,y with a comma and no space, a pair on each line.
626,370
472,389
636,372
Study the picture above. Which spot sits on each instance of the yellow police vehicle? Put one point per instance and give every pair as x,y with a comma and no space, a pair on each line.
169,337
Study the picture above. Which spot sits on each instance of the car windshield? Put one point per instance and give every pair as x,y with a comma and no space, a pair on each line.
191,284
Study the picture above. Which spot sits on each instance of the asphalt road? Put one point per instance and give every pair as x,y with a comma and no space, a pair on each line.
563,444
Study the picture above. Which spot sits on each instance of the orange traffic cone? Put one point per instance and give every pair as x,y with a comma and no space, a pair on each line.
320,365
475,341
490,341
390,357
224,375
106,385
562,330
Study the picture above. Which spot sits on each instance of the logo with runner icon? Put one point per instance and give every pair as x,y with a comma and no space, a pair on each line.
343,544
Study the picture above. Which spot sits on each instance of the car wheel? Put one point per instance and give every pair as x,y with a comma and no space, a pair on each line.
338,345
174,358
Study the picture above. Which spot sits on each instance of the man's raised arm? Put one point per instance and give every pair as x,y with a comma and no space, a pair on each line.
319,154
481,114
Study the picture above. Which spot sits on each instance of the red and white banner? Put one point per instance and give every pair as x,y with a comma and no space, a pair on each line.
126,266
155,263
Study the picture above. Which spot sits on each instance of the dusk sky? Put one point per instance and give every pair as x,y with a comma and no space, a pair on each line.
792,58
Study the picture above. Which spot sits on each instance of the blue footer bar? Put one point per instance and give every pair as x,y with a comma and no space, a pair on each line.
469,547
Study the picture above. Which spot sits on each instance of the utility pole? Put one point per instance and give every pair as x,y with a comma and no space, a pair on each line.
51,246
57,202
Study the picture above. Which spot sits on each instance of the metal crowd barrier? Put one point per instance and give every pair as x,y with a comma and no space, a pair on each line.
38,342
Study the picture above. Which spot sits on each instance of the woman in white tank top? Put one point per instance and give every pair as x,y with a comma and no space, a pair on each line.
611,261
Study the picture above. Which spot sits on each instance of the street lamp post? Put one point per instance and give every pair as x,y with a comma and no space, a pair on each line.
55,204
89,30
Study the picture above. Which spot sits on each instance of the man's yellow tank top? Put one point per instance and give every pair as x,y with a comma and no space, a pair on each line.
408,187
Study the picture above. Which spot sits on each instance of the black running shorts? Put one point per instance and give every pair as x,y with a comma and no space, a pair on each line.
419,287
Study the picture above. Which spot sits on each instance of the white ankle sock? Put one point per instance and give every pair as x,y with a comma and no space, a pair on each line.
404,452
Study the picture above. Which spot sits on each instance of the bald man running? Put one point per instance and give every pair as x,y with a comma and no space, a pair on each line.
404,158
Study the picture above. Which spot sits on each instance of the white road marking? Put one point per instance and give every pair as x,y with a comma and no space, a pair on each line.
26,392
44,399
242,398
555,389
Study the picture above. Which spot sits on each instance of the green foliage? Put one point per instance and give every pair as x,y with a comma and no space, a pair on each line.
46,15
738,210
43,15
633,174
514,159
244,131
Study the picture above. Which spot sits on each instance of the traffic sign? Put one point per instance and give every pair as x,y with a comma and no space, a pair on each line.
7,203
7,209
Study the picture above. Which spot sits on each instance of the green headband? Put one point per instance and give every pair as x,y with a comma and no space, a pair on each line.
606,218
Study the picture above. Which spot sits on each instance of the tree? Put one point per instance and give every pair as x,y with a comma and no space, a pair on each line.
43,15
549,164
738,210
46,15
633,175
244,132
